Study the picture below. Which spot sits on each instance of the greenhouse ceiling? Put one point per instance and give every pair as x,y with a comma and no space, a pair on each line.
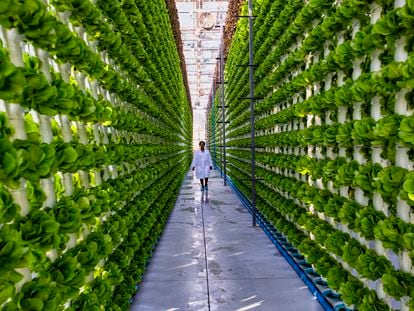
201,25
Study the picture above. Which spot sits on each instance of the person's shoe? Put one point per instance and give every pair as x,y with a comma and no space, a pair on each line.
206,187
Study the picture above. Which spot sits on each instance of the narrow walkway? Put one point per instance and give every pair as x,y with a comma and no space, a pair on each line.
211,258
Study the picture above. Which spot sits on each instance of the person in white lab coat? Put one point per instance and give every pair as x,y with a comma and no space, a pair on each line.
202,165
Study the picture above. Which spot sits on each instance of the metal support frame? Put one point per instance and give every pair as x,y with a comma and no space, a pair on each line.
223,114
252,104
252,99
213,121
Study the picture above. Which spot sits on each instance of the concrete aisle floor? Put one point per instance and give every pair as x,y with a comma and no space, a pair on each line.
211,258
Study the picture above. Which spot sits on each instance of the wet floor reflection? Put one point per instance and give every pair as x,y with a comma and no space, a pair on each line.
205,197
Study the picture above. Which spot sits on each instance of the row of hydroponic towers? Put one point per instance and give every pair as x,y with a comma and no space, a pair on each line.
328,159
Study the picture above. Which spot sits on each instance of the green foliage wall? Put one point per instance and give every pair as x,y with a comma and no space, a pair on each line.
215,134
95,140
335,138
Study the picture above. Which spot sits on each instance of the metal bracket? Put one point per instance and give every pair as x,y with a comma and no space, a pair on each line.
247,65
253,98
251,178
245,16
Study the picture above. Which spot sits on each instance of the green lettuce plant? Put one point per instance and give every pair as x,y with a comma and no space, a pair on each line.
372,266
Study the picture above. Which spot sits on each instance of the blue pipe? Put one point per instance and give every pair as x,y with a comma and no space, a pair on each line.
301,273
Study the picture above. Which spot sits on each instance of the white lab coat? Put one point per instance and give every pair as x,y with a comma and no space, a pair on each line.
202,162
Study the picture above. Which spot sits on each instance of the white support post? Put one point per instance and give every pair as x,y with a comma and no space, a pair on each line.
16,115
